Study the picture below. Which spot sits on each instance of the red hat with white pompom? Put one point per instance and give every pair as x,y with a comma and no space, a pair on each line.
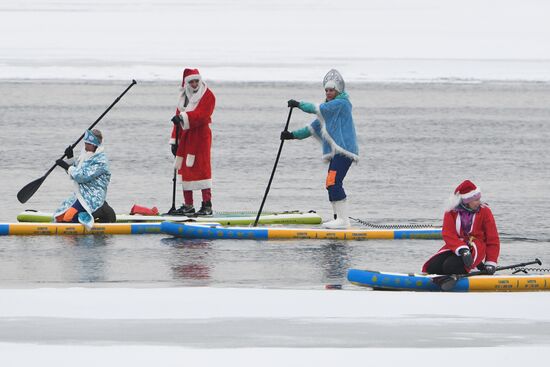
190,74
467,192
464,193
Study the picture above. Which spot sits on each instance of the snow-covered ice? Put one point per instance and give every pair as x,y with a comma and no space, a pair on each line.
88,326
154,355
244,40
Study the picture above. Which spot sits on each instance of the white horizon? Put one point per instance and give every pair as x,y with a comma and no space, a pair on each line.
378,40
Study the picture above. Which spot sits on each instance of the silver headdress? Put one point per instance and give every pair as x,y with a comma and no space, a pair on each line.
334,80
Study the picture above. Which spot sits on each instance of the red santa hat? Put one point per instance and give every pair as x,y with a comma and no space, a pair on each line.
464,193
468,192
190,74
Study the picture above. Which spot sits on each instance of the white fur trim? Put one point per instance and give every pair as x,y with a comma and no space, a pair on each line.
188,78
312,132
471,194
473,244
197,185
193,99
84,204
460,248
190,160
172,141
185,124
177,162
336,149
81,159
70,170
491,263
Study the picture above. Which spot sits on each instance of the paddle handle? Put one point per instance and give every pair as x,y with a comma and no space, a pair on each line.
95,122
273,171
103,114
536,261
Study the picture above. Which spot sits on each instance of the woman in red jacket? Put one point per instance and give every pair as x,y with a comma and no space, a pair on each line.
470,235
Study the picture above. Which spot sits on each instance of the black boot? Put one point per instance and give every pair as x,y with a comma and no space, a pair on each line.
105,214
206,209
186,210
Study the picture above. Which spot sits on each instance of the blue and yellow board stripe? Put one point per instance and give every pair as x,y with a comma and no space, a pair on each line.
76,228
189,230
418,282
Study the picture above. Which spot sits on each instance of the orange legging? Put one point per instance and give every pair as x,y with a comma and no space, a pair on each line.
70,215
67,216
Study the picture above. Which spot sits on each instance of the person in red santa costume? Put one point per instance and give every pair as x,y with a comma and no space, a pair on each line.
470,235
194,140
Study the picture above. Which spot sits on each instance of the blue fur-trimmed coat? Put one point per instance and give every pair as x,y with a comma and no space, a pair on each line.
91,177
334,127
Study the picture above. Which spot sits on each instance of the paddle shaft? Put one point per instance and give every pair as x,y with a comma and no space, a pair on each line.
28,191
498,268
173,208
273,171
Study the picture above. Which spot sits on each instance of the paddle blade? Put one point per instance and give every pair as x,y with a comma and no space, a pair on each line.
28,191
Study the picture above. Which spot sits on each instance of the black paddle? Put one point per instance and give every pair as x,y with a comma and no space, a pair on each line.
273,172
28,191
173,208
448,282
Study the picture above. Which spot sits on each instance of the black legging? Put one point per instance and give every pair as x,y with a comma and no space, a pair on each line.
446,263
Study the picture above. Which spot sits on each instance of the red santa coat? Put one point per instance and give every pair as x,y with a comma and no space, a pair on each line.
483,237
195,139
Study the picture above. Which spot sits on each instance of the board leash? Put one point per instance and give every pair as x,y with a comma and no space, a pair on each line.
527,270
392,226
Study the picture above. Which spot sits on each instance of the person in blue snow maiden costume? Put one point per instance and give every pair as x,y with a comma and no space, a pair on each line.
335,129
91,176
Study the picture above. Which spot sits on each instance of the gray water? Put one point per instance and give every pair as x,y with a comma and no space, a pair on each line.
417,142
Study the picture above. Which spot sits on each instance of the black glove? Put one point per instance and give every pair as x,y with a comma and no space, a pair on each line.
177,119
174,149
287,135
490,269
69,152
466,257
61,163
293,103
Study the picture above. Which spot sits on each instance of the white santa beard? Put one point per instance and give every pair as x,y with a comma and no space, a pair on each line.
192,97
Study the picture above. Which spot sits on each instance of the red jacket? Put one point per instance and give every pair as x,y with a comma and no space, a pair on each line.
194,144
483,239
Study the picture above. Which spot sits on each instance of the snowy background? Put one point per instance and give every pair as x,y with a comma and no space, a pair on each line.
248,40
